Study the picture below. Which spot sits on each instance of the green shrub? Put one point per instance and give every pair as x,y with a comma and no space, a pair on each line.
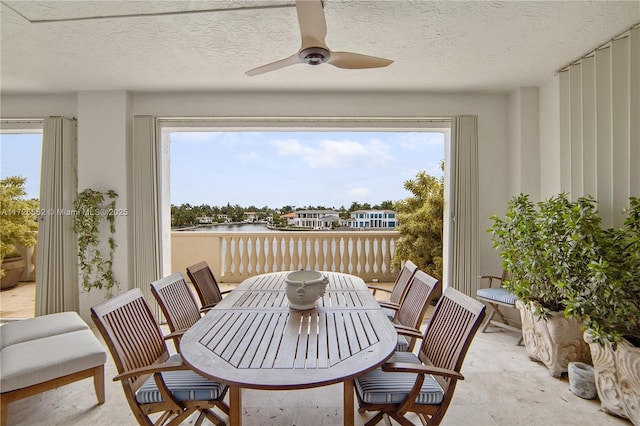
18,217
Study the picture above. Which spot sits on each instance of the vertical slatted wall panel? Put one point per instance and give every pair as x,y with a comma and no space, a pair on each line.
599,125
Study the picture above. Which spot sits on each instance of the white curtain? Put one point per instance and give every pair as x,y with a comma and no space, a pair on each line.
462,269
56,270
600,126
147,243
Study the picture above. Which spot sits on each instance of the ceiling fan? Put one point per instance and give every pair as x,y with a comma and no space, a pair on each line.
314,50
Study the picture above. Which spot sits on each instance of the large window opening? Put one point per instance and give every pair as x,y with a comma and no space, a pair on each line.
20,156
218,176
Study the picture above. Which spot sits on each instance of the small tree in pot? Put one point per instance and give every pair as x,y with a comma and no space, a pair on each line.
609,308
18,226
546,248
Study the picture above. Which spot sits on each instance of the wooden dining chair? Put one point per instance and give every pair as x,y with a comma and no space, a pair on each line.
152,380
178,304
206,285
398,291
408,319
424,383
498,298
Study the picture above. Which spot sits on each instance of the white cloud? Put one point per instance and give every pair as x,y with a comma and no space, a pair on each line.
360,193
336,154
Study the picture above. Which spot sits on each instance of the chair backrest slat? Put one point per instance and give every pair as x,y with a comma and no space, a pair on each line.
401,285
177,301
131,332
205,283
453,324
420,292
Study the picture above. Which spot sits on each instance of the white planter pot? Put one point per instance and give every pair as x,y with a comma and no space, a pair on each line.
617,375
555,341
304,288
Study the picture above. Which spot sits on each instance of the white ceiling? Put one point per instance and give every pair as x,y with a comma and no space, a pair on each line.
451,46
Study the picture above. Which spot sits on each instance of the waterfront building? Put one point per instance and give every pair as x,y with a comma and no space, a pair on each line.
373,219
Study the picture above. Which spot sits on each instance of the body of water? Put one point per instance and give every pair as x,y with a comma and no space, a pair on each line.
233,227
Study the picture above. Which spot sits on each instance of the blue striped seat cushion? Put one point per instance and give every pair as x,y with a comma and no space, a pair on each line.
379,387
390,313
498,294
185,385
403,344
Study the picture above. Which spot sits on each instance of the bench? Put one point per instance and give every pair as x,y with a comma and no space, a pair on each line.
43,353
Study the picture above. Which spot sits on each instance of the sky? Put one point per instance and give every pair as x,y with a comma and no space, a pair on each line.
274,169
299,169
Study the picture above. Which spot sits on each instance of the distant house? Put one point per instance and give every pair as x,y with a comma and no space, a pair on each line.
224,217
291,218
373,219
250,216
316,219
205,220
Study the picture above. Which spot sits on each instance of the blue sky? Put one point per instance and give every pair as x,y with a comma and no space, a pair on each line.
300,169
20,155
273,169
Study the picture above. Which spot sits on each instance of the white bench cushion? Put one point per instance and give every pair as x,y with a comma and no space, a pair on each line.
29,363
39,327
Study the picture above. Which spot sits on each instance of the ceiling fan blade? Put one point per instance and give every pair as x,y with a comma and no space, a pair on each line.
313,26
350,60
291,60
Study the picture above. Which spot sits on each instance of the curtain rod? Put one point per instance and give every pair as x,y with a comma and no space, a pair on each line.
620,36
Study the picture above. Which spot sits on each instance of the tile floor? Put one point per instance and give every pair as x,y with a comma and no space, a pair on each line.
502,387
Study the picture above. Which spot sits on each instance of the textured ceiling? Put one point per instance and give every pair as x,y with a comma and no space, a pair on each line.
477,46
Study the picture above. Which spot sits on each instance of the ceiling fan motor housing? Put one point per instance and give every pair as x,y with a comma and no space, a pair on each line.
314,55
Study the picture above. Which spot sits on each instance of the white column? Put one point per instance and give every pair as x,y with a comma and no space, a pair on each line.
104,133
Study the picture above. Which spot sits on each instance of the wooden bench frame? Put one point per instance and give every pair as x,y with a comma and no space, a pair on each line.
98,383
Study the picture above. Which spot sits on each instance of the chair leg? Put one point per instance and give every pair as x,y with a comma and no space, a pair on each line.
98,383
211,416
487,322
375,419
4,410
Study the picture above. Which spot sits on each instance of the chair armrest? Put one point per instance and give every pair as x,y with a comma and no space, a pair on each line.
491,278
150,369
173,335
406,367
376,288
408,331
389,305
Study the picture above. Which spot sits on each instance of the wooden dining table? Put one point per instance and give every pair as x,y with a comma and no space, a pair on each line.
252,339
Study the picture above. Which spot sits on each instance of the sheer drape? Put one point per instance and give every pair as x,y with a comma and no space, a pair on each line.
147,252
463,228
57,271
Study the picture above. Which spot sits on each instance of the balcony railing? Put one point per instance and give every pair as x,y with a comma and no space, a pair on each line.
235,256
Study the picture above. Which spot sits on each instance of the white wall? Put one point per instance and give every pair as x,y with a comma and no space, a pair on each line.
550,138
524,140
104,133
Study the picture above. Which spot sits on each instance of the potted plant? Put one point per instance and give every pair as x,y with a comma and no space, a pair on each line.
609,308
18,226
545,249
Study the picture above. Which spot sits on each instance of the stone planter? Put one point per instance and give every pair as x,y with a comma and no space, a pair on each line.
617,375
555,341
13,268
